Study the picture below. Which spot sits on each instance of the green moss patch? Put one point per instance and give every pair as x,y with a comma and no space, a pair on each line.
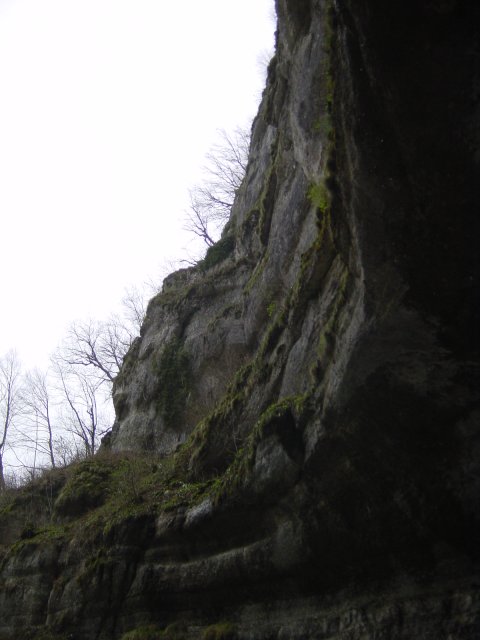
220,631
280,412
174,379
149,632
257,272
184,494
218,252
175,631
327,337
324,125
319,196
85,489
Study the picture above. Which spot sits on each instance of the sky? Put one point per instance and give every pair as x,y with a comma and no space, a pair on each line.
107,110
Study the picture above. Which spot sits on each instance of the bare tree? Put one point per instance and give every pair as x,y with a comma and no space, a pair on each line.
10,403
212,201
81,418
60,415
68,449
135,308
39,424
100,346
90,344
198,220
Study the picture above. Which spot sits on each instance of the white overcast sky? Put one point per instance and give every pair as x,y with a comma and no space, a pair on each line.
107,109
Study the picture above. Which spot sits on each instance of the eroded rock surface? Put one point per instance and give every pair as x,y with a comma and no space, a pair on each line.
314,383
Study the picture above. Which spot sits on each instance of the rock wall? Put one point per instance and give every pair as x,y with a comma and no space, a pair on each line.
312,386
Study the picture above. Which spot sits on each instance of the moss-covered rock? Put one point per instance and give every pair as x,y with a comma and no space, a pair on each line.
174,381
219,631
218,252
85,489
310,407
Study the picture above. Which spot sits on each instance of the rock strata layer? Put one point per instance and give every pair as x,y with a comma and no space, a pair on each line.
312,385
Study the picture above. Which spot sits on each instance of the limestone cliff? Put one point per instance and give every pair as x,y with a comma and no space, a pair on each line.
308,395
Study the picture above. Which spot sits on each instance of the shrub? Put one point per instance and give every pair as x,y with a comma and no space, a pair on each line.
85,489
218,252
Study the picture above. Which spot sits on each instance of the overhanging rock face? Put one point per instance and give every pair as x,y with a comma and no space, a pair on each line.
319,376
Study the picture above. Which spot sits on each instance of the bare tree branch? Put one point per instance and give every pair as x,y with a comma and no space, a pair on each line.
100,347
81,417
85,347
10,402
212,201
198,219
135,306
37,407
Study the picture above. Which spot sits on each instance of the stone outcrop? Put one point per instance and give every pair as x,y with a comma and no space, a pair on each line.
310,391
